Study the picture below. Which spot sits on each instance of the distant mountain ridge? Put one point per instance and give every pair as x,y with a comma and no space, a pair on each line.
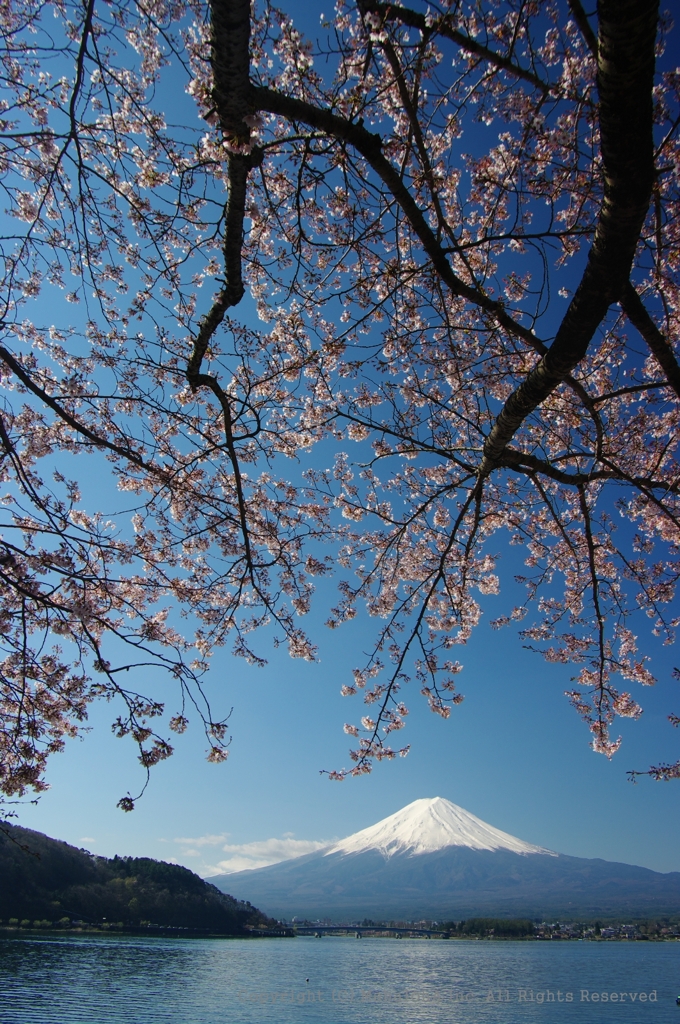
433,859
46,879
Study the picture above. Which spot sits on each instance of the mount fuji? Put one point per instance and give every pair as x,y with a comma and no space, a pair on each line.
433,859
426,826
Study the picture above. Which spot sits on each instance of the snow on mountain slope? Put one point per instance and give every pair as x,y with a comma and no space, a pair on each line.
426,826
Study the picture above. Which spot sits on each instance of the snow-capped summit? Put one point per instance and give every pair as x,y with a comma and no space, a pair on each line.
426,826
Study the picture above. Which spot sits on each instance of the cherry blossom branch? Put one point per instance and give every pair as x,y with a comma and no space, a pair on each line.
431,25
412,110
86,32
601,741
371,746
370,146
635,310
660,772
625,77
512,459
208,381
230,63
633,389
80,428
581,19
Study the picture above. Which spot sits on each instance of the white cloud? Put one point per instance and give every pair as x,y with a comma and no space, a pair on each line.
204,840
242,856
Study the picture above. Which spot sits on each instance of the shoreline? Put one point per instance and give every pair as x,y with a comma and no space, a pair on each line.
158,931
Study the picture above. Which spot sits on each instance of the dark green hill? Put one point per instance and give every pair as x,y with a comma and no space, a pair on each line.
47,880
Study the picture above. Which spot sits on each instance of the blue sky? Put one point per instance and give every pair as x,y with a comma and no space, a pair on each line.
513,753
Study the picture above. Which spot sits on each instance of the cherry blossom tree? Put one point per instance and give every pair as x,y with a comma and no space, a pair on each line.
439,242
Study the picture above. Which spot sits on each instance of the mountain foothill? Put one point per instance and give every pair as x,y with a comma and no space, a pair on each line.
48,882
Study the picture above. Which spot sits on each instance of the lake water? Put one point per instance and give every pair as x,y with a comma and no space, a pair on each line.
122,980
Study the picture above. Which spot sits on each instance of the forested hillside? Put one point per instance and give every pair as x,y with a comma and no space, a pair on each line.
47,880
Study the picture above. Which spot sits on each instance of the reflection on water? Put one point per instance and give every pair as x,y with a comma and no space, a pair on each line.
122,980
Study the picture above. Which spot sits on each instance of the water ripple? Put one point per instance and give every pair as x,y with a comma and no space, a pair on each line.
124,980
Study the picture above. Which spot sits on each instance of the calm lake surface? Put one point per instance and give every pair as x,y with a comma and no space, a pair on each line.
122,980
